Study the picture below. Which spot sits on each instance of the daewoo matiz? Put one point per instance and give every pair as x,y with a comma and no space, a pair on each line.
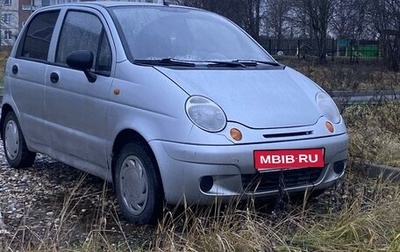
169,103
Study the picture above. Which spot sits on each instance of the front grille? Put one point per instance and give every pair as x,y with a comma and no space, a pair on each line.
269,181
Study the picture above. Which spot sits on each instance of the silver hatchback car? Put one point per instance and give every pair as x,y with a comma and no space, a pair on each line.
169,103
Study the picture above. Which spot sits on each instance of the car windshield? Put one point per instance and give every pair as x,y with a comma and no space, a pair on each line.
160,32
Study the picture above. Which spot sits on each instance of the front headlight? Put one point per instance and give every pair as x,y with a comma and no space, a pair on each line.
205,114
328,107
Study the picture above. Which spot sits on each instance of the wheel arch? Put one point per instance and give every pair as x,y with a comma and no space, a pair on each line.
129,136
6,108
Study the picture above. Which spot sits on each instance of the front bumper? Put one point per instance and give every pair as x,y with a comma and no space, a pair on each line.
199,173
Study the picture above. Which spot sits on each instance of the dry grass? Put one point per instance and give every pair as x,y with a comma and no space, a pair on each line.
63,233
363,217
3,60
365,221
355,77
374,132
215,228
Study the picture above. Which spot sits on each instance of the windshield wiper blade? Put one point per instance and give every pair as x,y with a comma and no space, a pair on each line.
225,64
256,62
242,63
166,62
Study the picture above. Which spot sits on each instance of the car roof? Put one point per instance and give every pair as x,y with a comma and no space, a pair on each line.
110,4
107,4
115,3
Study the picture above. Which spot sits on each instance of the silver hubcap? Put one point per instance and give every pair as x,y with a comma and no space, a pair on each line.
134,186
11,139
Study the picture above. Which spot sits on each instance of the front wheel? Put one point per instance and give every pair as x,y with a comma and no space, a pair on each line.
138,184
15,149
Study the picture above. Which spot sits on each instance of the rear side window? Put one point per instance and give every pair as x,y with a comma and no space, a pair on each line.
84,31
36,41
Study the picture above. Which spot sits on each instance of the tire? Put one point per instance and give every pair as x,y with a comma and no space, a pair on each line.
15,149
138,184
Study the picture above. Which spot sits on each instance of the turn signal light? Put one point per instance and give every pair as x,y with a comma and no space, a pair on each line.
236,134
329,126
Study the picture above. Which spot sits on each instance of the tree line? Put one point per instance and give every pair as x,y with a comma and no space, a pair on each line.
316,20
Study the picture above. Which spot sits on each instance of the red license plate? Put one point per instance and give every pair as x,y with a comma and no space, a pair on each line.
288,159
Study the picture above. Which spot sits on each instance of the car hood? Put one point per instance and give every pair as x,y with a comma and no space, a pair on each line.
255,98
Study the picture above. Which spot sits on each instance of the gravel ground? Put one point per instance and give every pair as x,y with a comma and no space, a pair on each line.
52,203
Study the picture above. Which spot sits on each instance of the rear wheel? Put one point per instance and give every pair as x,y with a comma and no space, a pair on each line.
138,184
15,149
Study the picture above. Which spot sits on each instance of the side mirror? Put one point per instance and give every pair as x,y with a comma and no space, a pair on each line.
82,60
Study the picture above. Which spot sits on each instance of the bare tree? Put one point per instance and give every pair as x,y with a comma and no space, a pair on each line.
250,21
318,13
349,19
245,13
385,17
276,15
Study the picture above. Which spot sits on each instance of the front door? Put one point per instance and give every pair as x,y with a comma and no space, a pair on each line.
75,107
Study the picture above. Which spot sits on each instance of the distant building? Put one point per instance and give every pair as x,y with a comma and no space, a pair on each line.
14,13
24,10
9,19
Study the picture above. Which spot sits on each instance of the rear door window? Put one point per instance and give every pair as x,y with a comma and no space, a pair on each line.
36,41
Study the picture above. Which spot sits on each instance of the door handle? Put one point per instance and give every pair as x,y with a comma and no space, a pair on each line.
54,78
14,69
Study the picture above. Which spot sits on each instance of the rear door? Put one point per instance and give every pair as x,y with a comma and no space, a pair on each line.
26,74
76,108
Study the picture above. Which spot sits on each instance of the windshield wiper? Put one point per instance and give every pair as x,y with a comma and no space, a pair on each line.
257,62
166,62
242,63
225,64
